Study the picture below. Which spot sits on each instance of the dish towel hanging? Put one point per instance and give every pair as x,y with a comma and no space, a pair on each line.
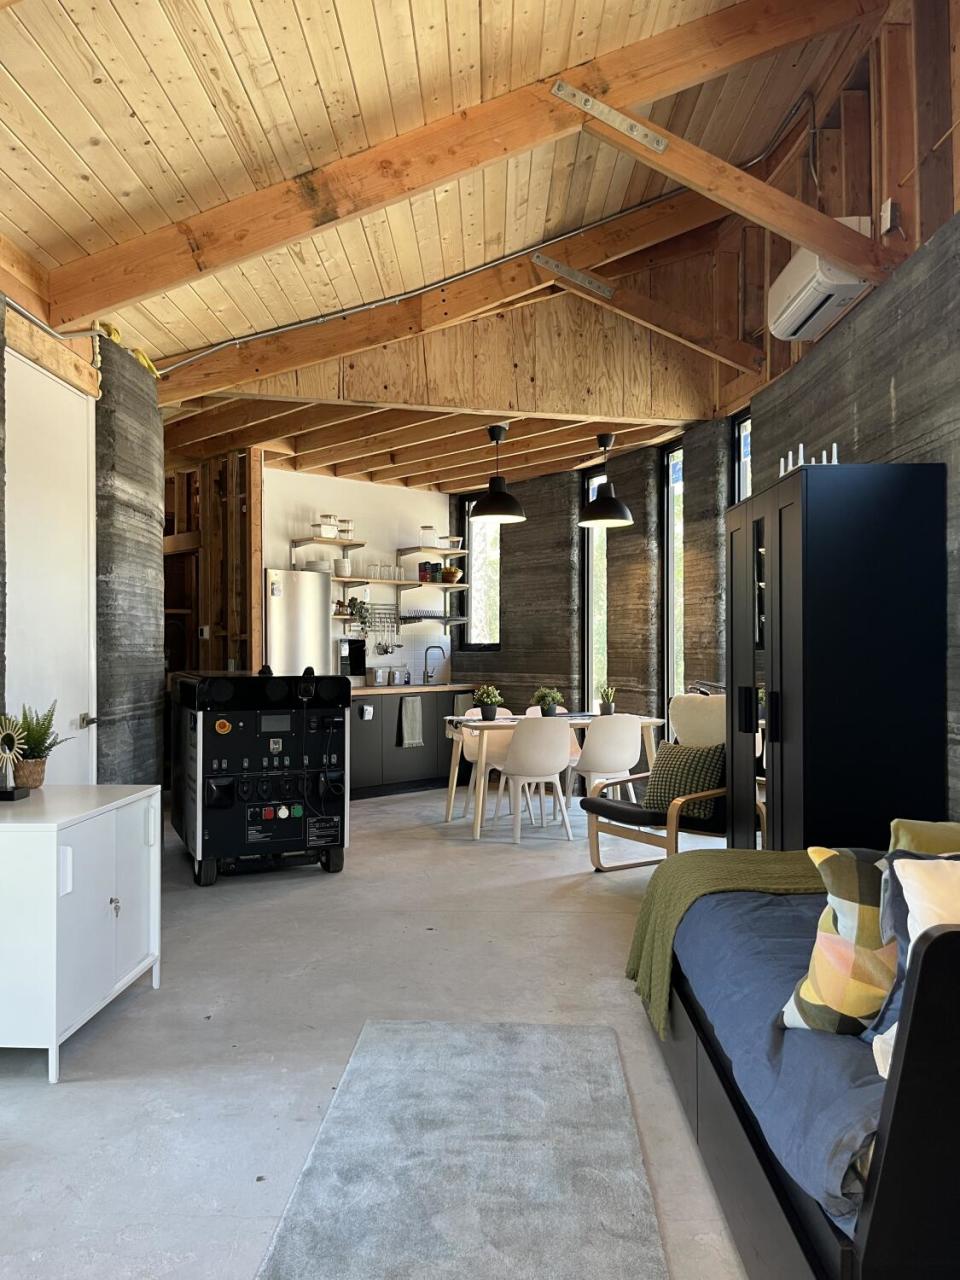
411,722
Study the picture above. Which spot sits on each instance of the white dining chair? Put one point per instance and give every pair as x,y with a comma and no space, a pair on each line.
574,757
497,745
611,749
538,753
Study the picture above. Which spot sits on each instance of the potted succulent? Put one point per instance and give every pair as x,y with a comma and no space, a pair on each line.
39,739
547,699
487,698
608,696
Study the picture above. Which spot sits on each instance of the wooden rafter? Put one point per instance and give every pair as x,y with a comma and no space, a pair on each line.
395,427
689,331
444,305
221,419
755,200
438,152
544,467
467,446
523,454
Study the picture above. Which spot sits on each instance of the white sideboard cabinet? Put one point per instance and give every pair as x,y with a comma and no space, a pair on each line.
79,907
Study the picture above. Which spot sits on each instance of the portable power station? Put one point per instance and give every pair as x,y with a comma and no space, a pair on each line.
260,771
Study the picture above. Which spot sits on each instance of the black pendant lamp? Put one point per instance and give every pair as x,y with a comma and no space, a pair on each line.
498,505
605,511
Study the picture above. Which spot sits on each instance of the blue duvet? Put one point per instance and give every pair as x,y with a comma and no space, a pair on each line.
816,1096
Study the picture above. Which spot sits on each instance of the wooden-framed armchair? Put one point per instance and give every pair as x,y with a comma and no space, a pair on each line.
696,721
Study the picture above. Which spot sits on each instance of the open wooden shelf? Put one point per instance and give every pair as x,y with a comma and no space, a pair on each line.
345,544
442,552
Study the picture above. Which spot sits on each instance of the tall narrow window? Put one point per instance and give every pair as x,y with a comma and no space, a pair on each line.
483,574
595,599
673,524
744,468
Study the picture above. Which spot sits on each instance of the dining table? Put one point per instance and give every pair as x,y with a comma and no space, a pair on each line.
578,720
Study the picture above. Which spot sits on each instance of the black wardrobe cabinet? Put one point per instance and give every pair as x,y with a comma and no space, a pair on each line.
836,654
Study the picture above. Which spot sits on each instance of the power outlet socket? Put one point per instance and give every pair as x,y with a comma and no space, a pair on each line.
889,216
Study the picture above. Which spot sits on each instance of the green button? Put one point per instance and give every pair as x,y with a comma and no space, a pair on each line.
298,810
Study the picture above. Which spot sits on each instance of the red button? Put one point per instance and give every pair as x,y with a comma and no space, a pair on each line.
268,813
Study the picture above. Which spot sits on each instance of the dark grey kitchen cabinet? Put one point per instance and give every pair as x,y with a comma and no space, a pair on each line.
444,703
366,744
408,764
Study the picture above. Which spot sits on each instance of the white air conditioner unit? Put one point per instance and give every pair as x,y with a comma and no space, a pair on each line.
810,293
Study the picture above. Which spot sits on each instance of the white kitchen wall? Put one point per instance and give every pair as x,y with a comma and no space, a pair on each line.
385,517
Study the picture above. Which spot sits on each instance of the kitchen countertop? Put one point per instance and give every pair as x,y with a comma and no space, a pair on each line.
376,690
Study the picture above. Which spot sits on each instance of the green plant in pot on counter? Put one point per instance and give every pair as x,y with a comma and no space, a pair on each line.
608,697
487,698
547,699
39,739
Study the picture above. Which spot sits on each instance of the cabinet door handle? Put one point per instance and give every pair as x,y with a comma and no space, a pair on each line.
150,819
746,708
115,903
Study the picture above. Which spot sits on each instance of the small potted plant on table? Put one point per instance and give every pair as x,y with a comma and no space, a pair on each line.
487,698
608,695
547,699
39,739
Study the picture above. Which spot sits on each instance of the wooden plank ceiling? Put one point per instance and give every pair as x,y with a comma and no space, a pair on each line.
118,120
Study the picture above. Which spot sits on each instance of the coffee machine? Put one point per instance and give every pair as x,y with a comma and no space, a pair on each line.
260,772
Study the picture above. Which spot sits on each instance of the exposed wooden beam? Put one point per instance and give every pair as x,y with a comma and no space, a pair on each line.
548,467
303,418
220,419
686,245
514,457
24,279
51,354
441,151
391,429
438,308
752,199
688,330
467,445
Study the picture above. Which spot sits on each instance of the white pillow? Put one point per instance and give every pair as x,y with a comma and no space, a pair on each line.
931,888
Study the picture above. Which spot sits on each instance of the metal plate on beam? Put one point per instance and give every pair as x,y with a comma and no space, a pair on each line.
583,278
609,115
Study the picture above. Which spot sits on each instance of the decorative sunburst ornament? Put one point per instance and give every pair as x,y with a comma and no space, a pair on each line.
11,752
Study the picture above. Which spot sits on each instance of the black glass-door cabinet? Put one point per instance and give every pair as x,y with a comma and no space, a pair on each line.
836,654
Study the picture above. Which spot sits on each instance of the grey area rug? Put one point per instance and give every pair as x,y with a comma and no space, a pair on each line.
473,1152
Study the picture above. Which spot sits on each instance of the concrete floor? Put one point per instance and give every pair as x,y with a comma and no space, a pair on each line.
184,1115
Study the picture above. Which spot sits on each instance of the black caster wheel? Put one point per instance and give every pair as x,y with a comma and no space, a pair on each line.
205,872
332,860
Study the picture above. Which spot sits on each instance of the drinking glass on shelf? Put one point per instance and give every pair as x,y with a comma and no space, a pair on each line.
373,571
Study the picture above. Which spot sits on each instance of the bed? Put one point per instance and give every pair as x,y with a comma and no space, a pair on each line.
789,1121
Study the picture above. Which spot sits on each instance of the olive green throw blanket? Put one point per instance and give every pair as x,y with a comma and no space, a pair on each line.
676,885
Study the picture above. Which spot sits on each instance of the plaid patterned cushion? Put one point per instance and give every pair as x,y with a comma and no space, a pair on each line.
851,969
682,771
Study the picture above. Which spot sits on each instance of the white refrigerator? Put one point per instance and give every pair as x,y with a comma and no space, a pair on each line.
298,614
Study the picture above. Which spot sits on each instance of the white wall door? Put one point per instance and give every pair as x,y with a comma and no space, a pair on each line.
51,559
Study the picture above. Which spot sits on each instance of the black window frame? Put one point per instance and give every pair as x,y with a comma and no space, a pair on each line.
585,646
667,452
463,643
736,427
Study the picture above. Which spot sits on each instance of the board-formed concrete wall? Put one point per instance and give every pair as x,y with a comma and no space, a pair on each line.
130,662
885,386
540,603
